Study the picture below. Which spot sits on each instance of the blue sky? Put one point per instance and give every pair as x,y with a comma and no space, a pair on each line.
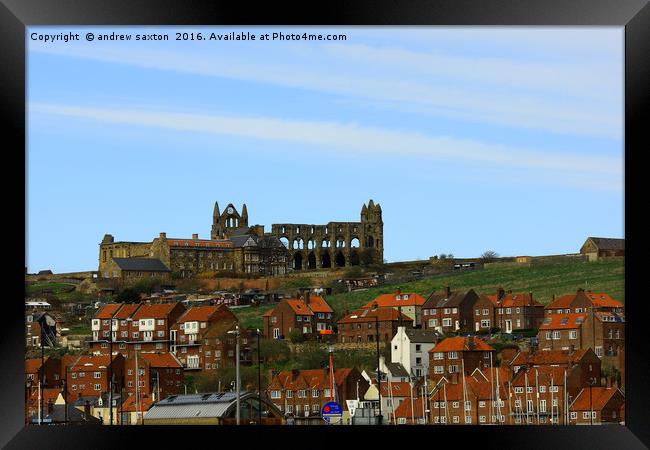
509,139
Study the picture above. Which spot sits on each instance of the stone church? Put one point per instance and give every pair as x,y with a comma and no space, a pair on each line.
235,247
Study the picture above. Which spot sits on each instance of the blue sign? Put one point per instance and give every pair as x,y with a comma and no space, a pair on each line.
331,409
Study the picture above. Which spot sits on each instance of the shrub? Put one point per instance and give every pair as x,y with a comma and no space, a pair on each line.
296,336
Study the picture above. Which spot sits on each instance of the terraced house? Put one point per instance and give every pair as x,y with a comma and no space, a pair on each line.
408,303
455,356
309,316
134,327
449,311
507,312
370,324
304,392
201,341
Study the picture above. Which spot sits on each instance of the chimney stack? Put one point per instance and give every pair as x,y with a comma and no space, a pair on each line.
163,235
398,291
500,293
531,297
87,409
195,235
447,292
50,406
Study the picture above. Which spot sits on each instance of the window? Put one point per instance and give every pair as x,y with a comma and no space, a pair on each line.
542,389
454,310
517,403
542,406
585,414
275,394
315,408
446,322
519,390
455,405
517,310
418,348
302,393
455,419
486,312
314,392
97,374
481,404
160,333
573,334
401,420
485,323
97,387
437,355
548,336
453,369
452,355
447,310
468,419
478,312
74,375
574,415
553,389
468,406
290,408
556,335
433,323
508,311
529,389
481,419
299,318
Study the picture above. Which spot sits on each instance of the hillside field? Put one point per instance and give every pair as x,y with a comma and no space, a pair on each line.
543,281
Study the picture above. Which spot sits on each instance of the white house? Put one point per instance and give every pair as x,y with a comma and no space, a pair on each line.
410,348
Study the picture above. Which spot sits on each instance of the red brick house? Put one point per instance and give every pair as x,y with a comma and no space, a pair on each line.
449,311
88,376
507,311
160,375
598,405
309,316
561,332
304,392
471,400
32,405
455,356
539,395
135,327
51,371
363,325
201,339
587,363
408,303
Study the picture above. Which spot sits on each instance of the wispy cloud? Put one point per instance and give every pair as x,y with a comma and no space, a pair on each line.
557,98
351,137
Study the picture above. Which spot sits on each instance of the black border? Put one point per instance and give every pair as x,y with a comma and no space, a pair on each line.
633,14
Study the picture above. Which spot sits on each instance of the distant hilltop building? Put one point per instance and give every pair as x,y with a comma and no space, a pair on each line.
237,248
595,248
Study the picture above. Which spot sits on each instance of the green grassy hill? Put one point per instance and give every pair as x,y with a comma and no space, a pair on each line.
543,281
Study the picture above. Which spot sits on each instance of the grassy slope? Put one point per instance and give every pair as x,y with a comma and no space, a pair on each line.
543,281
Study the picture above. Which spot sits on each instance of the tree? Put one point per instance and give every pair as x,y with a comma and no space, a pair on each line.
488,256
296,336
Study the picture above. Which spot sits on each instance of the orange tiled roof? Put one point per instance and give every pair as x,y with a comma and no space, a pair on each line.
130,404
48,394
368,315
599,398
404,409
299,307
461,344
311,379
514,300
91,362
318,304
544,374
563,321
198,313
399,389
548,357
159,311
161,360
603,300
126,311
33,365
107,311
391,300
